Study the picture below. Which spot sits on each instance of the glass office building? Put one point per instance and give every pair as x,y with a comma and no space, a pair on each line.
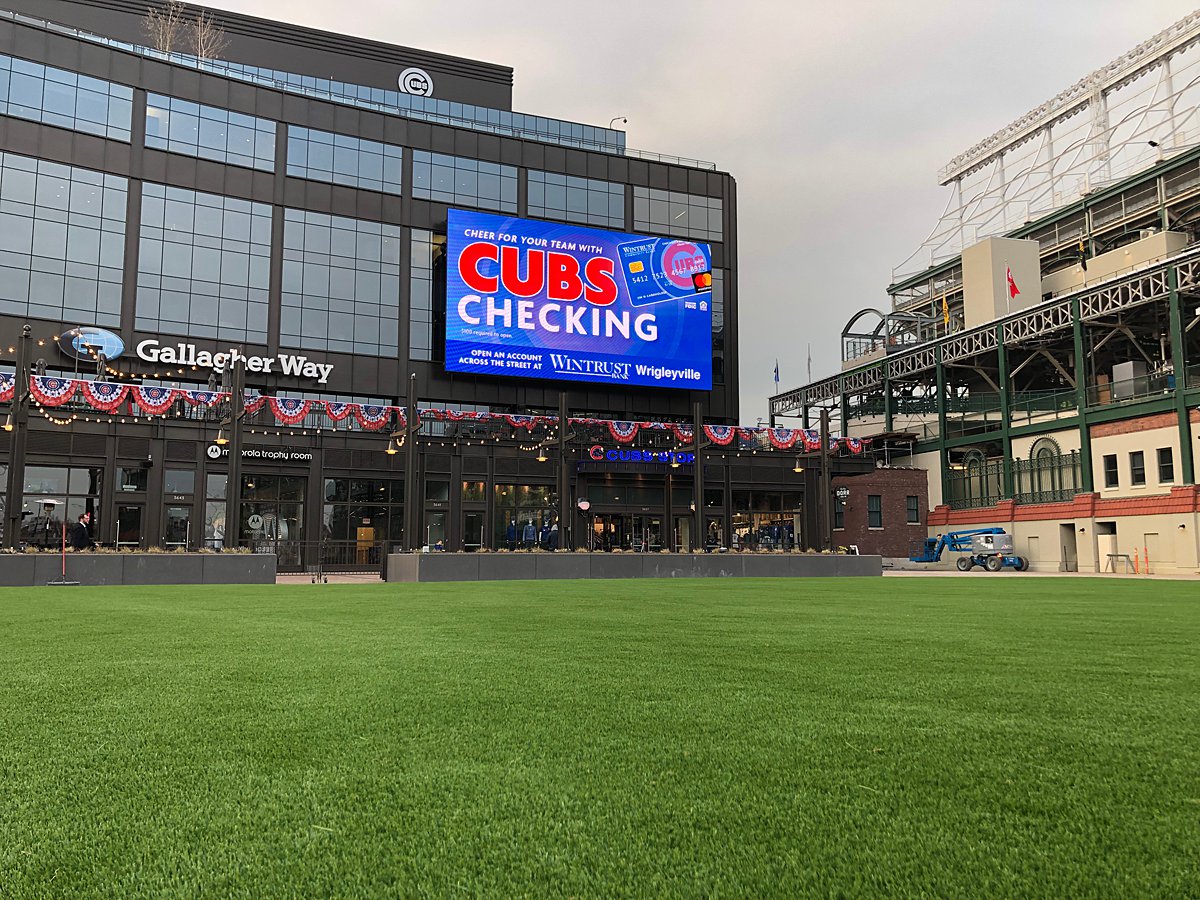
257,202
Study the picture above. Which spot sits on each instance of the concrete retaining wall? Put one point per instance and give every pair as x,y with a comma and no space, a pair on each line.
31,569
427,567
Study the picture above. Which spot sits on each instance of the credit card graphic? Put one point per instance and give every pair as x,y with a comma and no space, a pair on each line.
659,269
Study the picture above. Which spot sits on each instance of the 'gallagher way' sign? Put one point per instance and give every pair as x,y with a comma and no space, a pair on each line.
184,354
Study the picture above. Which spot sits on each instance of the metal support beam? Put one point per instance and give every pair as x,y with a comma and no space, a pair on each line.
826,491
15,489
1005,431
943,462
1085,443
564,475
233,485
698,478
1179,363
412,503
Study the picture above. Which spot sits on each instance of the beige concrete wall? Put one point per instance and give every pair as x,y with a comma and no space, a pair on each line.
1121,446
1148,250
1045,543
928,462
1067,440
985,280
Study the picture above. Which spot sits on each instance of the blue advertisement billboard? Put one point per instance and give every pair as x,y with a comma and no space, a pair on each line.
549,300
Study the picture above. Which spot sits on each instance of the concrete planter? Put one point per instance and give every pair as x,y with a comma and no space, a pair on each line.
429,567
32,569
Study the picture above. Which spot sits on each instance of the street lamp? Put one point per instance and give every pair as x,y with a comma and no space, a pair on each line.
621,119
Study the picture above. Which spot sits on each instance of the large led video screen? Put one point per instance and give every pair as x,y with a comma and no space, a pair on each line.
546,300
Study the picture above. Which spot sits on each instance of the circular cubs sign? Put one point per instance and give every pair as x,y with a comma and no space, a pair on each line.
416,81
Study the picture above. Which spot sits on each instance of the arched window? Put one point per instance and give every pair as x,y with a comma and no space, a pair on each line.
1045,458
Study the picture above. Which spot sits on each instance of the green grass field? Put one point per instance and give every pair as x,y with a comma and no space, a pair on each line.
998,736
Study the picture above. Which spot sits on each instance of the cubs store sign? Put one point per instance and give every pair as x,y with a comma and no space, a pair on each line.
547,300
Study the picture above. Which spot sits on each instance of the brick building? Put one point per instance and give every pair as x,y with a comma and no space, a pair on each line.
885,512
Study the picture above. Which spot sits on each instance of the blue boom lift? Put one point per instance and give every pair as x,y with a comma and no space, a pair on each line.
990,548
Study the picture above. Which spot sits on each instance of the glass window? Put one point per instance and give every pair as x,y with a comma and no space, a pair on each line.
62,241
874,511
57,97
1166,465
427,303
718,326
574,199
55,497
669,212
374,505
465,182
215,486
204,265
341,159
179,481
437,490
1111,479
1137,467
839,512
132,479
523,515
913,507
473,491
341,284
180,126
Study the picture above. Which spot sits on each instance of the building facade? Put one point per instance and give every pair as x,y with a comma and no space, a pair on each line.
1044,371
257,203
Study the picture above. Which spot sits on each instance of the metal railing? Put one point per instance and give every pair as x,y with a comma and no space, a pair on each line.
322,558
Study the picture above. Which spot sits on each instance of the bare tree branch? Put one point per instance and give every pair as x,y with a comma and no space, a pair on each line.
208,37
164,28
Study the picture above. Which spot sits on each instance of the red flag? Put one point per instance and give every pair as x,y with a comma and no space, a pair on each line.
1012,285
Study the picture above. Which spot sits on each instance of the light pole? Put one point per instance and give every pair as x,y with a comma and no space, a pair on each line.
621,119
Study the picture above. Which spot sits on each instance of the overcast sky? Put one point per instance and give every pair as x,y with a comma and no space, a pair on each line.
833,117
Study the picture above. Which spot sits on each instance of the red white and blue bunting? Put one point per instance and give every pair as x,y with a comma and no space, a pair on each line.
339,411
204,398
104,395
50,391
782,438
108,397
153,400
623,432
372,418
683,433
288,410
721,435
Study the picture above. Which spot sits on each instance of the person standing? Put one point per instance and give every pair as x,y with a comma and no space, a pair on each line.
530,535
510,534
79,537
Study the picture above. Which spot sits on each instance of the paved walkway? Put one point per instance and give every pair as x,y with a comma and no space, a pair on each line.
890,573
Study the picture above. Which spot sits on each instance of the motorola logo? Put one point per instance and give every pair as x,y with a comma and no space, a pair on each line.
215,452
416,81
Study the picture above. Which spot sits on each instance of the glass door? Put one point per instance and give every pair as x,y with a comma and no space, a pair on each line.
178,527
646,534
472,531
435,530
129,526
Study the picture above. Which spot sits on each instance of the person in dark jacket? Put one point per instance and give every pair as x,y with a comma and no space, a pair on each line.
79,536
510,535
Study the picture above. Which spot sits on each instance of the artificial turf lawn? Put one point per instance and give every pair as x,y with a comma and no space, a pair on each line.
987,735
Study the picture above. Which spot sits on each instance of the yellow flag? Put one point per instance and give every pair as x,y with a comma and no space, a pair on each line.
945,312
